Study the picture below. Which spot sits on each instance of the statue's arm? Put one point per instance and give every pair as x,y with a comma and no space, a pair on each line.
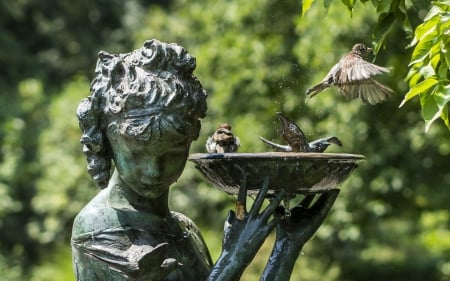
244,234
293,232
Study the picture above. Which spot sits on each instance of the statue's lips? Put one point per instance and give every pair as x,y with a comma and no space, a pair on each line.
156,182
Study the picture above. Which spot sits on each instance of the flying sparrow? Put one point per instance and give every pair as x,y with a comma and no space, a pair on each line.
223,140
353,77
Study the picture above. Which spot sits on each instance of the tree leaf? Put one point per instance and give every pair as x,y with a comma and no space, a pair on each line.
405,21
327,3
435,105
420,88
306,5
385,21
430,110
349,4
423,29
383,6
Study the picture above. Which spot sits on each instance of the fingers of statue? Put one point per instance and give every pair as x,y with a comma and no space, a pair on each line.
241,210
325,202
230,218
319,209
305,218
242,199
307,200
227,225
260,197
274,205
270,209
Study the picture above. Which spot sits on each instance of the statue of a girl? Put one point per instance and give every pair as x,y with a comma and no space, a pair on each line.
143,113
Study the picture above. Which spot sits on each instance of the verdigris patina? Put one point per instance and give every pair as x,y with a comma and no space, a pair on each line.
143,113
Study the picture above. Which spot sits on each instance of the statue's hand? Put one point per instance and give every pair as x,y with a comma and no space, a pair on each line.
304,220
244,233
293,231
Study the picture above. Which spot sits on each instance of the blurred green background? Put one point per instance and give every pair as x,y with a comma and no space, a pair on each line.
254,58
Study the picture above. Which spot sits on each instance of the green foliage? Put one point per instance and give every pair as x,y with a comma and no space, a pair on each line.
429,67
428,74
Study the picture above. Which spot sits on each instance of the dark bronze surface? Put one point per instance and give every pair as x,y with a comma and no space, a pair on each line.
297,173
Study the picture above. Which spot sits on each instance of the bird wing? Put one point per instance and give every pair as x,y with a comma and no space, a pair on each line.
355,68
210,145
368,90
285,148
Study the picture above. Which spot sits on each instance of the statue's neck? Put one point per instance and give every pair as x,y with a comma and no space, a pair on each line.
123,196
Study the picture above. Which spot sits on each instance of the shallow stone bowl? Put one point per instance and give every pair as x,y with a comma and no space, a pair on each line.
297,173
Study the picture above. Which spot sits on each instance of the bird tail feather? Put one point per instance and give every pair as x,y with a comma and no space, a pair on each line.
315,90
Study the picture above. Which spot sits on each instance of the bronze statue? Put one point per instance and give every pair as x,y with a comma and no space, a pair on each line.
142,115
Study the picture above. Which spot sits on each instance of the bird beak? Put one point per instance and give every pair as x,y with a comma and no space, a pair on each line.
369,49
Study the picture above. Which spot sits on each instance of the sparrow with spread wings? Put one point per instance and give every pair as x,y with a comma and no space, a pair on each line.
352,75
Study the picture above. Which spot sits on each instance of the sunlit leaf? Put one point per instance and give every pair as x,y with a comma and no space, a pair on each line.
413,77
306,5
421,51
435,105
442,95
430,110
443,69
423,29
420,56
427,71
437,8
420,88
435,60
434,11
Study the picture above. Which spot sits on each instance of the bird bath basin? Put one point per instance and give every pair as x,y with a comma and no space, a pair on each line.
297,173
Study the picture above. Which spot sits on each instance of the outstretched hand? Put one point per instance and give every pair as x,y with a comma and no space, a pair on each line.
245,232
304,219
293,231
249,229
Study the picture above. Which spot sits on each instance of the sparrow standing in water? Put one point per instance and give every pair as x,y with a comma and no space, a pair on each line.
223,140
353,77
296,139
292,134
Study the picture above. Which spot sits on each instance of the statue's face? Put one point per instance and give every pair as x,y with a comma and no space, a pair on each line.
147,166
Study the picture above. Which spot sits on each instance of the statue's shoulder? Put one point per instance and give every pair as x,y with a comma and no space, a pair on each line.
96,215
194,232
185,221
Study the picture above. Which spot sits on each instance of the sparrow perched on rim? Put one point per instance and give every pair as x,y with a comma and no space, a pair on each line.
223,140
296,139
353,77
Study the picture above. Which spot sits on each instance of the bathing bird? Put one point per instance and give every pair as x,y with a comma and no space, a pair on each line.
296,139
